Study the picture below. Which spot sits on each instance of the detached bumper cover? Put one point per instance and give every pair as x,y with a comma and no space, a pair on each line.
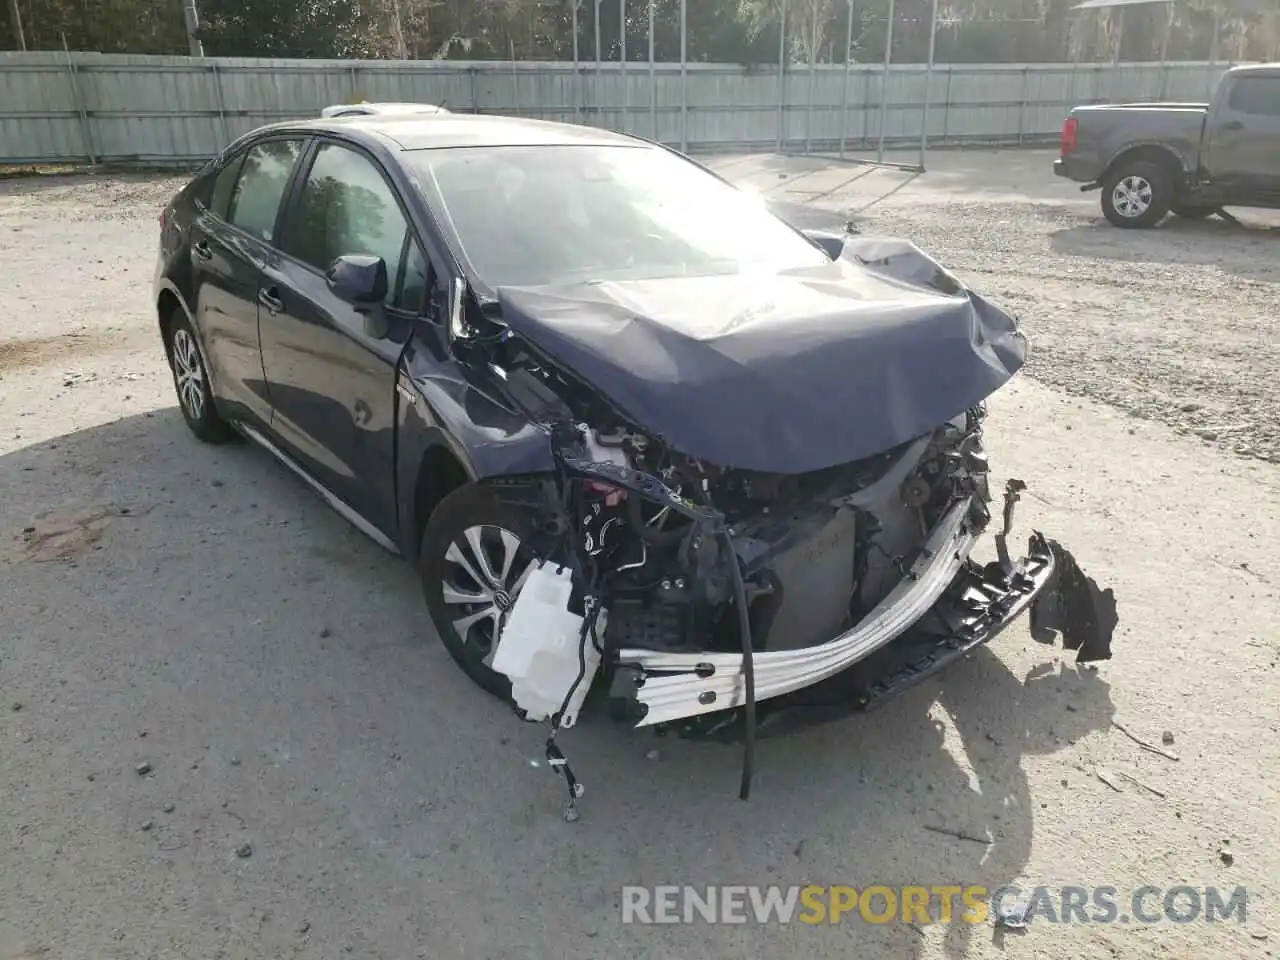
945,608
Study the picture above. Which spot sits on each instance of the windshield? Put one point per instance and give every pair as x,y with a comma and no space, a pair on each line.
532,215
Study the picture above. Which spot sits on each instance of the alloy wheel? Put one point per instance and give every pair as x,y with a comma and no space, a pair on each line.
188,373
484,573
1131,196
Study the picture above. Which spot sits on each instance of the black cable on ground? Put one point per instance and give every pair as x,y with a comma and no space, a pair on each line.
748,670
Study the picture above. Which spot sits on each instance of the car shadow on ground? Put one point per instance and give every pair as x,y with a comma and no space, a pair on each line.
281,660
1245,249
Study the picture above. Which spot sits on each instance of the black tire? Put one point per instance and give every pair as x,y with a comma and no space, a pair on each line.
191,382
1136,194
468,508
1193,212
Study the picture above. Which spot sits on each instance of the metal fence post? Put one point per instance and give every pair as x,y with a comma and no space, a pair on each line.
221,101
1213,54
653,80
577,92
622,66
515,79
884,81
864,139
684,75
192,19
946,104
782,71
595,81
844,93
1022,104
813,80
928,82
1115,61
86,131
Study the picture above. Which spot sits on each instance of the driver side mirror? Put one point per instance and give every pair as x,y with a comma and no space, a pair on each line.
361,281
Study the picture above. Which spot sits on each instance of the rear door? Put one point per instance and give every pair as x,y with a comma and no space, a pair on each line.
332,386
230,243
1244,140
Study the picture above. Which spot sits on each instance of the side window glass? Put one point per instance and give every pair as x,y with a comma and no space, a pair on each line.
347,208
263,176
223,185
1258,96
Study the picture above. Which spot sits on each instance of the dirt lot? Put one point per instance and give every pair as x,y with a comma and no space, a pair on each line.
197,610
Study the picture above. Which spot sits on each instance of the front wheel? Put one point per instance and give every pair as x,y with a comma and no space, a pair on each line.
473,562
1136,194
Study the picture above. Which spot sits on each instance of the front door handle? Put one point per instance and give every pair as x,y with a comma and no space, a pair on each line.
270,298
202,250
1233,125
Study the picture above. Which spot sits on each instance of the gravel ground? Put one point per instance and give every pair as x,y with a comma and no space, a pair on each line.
1178,324
228,732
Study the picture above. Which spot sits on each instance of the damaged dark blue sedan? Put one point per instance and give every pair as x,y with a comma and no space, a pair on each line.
635,431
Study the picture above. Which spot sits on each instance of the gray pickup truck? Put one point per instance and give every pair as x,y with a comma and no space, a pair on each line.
1191,158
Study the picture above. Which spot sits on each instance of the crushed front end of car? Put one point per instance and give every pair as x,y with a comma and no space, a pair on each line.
726,567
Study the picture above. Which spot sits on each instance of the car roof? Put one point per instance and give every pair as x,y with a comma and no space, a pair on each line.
437,131
365,108
1257,70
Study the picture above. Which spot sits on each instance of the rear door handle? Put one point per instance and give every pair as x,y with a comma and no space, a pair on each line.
270,298
202,250
1233,125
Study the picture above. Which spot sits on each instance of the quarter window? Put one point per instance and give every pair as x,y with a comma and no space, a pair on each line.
257,193
347,208
223,186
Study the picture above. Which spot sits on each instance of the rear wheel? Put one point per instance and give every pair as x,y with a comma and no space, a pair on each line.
1136,194
191,381
473,562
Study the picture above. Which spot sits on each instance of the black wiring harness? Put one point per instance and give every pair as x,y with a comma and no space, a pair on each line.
748,669
586,568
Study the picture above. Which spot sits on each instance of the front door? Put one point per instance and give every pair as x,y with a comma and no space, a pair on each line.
230,244
332,385
1244,140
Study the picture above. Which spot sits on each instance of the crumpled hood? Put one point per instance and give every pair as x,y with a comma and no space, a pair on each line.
782,373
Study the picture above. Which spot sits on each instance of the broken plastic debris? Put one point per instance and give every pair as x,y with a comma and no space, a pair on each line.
1013,915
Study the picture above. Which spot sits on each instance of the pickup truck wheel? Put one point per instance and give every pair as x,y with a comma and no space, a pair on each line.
473,563
1136,194
1191,212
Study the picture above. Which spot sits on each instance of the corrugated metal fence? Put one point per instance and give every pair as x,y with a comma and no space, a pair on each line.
59,108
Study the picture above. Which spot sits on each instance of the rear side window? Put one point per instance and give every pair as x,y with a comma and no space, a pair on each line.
1255,95
257,192
347,208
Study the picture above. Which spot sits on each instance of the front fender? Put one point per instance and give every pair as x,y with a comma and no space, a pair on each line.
440,409
487,438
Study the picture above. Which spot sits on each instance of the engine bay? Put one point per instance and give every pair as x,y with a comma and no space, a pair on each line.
676,579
